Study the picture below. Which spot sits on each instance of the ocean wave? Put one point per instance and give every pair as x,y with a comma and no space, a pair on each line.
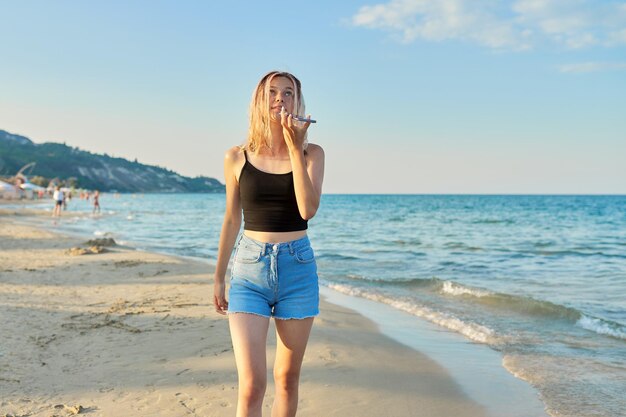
603,327
461,245
493,221
473,331
575,253
400,282
509,303
337,257
519,304
543,243
452,288
405,242
530,306
383,252
102,233
538,308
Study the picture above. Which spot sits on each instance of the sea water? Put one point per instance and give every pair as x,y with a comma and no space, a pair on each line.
539,279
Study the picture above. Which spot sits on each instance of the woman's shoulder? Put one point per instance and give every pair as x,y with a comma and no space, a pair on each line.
315,151
234,154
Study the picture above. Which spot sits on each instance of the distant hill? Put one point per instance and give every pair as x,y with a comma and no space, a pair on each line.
95,171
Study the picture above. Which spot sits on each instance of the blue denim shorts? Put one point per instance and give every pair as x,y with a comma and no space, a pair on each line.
278,280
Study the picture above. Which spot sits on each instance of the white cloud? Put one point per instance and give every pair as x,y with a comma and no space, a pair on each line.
512,24
441,20
585,67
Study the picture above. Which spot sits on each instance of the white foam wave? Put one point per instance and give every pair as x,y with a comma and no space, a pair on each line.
456,289
473,331
102,233
601,327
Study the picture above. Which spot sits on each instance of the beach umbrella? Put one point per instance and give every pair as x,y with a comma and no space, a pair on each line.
31,186
5,186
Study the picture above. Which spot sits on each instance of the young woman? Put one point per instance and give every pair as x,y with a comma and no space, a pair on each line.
275,179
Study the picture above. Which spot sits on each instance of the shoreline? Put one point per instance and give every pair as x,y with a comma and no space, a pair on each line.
475,367
127,332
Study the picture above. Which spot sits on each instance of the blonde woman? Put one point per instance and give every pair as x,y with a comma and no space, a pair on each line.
275,179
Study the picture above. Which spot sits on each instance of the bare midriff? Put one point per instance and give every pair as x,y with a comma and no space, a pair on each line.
275,237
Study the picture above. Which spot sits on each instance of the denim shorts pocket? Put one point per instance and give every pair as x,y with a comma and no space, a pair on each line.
248,254
305,255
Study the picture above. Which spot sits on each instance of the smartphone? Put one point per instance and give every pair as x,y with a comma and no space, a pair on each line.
304,119
300,118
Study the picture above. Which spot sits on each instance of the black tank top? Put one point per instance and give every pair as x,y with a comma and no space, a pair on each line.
268,201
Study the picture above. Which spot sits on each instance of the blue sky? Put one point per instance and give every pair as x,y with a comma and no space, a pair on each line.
413,96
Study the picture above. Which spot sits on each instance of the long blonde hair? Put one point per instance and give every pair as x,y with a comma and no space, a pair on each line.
259,133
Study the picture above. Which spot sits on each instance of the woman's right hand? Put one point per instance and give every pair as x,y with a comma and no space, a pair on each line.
219,296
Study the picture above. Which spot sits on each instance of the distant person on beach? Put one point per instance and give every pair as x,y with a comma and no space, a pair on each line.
96,202
275,179
19,192
58,198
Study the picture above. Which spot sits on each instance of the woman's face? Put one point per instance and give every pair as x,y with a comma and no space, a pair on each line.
281,95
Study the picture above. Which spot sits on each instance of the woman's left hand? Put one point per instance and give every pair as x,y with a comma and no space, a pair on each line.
294,131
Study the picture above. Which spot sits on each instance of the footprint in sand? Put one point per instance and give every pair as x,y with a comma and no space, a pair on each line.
330,358
74,409
147,401
186,401
128,263
328,355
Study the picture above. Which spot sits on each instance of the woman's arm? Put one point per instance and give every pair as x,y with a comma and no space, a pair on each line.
308,175
230,229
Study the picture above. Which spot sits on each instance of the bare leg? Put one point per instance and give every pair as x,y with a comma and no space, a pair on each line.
291,339
249,335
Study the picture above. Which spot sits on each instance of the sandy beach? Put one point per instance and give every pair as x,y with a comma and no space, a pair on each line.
129,333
